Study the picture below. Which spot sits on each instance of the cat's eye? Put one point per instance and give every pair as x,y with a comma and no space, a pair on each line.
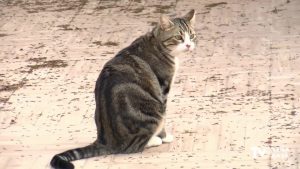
178,37
192,36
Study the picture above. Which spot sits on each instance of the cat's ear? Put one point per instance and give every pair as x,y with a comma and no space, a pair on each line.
165,23
191,17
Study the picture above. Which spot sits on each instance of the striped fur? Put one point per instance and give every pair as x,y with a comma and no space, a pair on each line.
131,94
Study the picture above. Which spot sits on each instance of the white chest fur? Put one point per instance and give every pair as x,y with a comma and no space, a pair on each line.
176,60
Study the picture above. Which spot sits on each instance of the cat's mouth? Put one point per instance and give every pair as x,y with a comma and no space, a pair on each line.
188,49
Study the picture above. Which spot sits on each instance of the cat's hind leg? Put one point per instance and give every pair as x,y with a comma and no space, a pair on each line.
154,141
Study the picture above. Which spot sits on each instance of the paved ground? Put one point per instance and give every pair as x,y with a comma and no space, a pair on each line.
235,102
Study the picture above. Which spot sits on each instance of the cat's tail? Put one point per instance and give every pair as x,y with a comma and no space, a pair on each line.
63,160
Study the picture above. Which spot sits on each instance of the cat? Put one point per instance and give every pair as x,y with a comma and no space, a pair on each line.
131,92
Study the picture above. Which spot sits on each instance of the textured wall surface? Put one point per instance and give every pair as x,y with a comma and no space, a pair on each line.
234,104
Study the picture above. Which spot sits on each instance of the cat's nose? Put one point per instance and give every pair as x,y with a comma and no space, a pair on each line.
188,46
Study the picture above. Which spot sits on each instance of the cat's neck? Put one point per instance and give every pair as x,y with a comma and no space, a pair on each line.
161,50
158,57
162,62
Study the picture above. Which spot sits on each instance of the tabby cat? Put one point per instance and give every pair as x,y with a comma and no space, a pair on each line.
131,92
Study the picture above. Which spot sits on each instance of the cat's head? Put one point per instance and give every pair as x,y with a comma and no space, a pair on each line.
177,35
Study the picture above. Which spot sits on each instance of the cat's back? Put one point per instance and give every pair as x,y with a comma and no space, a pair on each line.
128,68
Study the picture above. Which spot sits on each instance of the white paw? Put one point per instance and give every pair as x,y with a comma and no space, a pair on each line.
168,139
154,141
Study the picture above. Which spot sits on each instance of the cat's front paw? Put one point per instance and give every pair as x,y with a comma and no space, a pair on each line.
168,139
